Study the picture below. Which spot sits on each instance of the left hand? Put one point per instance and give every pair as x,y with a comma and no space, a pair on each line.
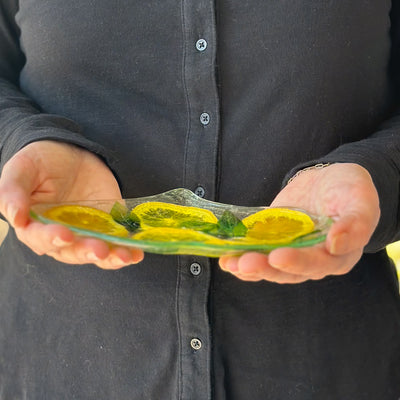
344,192
50,172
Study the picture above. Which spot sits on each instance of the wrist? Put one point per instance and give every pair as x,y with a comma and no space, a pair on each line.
310,168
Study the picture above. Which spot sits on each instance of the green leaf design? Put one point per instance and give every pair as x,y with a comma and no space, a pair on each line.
227,226
201,226
230,226
122,215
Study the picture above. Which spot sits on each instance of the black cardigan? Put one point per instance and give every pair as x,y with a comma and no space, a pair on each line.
228,98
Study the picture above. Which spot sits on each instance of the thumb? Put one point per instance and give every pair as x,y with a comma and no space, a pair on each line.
17,182
356,210
350,232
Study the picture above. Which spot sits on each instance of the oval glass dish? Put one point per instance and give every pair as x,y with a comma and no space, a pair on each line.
220,231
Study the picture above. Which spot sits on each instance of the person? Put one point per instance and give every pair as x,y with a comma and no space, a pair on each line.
108,100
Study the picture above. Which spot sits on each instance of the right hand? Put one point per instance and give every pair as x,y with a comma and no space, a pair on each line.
51,172
343,191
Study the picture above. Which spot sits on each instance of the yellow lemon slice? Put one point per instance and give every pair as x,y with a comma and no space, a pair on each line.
277,226
175,235
86,218
158,214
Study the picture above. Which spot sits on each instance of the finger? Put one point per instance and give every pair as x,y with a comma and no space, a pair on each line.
129,255
121,257
15,189
114,262
86,250
82,251
349,233
94,251
272,276
43,238
255,267
60,243
356,216
54,238
315,262
229,263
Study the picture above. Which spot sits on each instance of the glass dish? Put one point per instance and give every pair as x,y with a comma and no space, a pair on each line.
187,198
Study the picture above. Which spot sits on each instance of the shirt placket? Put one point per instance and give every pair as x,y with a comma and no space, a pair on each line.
201,150
200,174
194,329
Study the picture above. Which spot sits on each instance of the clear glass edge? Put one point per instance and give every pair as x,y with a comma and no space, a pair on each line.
186,197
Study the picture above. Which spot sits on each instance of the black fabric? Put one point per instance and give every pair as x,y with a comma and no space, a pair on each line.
284,84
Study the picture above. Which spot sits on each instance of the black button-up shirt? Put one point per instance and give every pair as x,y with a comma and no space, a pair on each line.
224,98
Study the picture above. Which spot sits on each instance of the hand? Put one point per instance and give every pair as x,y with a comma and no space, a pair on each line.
51,172
344,192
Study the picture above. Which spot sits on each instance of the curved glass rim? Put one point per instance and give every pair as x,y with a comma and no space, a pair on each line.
185,197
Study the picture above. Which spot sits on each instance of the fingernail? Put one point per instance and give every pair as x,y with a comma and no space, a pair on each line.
137,256
232,265
11,213
91,256
340,244
222,261
57,241
275,260
276,266
115,260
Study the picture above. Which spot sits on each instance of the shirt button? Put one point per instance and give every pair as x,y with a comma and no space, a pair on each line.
205,118
201,45
200,191
195,344
195,269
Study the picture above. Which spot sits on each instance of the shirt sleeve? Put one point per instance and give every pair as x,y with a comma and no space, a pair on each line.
379,153
21,120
